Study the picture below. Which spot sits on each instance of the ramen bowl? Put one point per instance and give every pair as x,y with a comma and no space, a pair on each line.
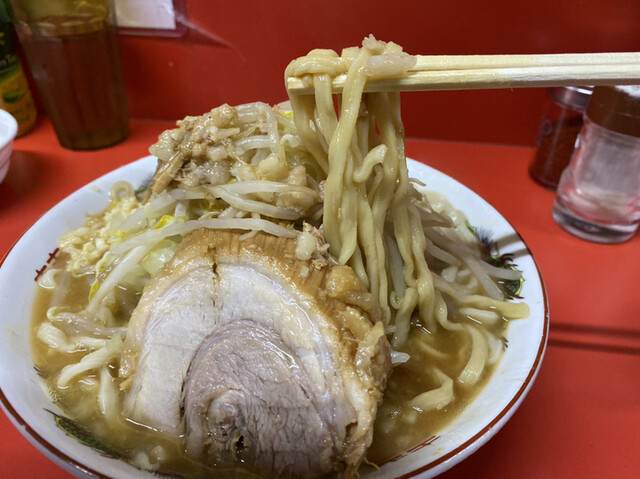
41,421
8,130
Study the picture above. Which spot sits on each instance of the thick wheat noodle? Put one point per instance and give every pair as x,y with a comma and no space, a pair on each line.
372,224
340,208
355,217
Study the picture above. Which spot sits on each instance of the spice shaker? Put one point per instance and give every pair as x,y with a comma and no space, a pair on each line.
598,197
559,128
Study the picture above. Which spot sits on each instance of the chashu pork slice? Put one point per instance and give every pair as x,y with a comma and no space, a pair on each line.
256,356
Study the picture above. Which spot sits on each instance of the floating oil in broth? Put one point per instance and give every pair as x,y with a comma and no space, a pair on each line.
399,427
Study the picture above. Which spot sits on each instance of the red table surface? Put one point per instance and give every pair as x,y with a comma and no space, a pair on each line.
582,415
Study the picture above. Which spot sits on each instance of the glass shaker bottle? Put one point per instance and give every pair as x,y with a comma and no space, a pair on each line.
557,133
598,197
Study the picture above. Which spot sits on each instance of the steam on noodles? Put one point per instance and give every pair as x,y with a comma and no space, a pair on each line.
328,170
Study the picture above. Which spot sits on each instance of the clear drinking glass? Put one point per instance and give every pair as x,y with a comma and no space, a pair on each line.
72,49
598,197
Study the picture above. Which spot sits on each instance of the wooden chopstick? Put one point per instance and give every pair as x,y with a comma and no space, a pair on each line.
460,72
469,62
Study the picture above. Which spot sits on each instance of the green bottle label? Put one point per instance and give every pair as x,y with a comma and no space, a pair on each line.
8,59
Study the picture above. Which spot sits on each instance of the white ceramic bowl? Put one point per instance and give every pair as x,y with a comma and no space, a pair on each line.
8,130
28,407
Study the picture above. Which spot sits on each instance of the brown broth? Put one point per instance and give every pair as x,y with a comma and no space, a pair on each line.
398,427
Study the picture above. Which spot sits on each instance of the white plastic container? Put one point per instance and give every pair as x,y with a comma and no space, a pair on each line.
8,130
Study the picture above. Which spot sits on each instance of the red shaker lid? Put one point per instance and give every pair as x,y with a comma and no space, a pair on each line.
616,108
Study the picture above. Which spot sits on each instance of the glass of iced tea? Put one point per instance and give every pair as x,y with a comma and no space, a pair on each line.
72,49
